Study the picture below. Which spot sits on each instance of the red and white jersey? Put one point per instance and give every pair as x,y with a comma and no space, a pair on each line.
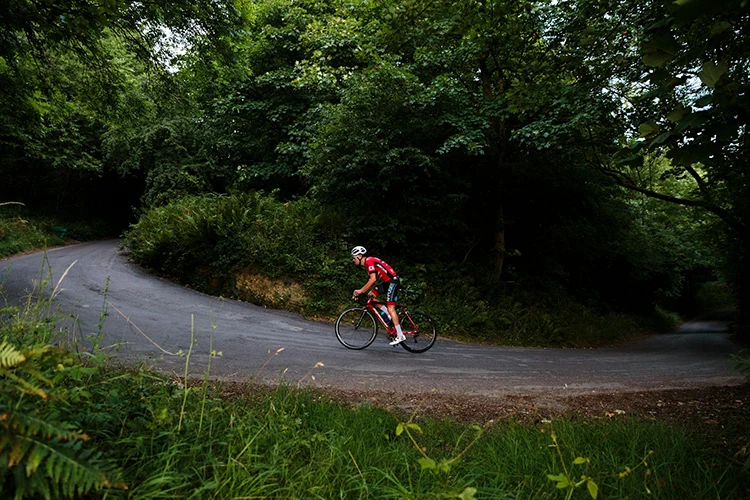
384,271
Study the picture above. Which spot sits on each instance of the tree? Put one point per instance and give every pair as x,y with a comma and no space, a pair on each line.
72,70
691,103
449,84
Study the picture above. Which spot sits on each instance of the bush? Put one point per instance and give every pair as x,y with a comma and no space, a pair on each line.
478,306
665,321
22,230
21,233
210,241
714,295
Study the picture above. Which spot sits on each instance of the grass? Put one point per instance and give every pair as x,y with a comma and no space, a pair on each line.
21,233
292,444
161,437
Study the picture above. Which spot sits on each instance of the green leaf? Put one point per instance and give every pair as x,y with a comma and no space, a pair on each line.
678,114
580,460
712,72
427,463
693,121
415,427
660,50
635,161
468,494
593,489
656,59
704,101
648,128
720,27
661,138
399,429
688,155
562,481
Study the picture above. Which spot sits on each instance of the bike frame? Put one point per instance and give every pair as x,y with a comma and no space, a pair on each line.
373,305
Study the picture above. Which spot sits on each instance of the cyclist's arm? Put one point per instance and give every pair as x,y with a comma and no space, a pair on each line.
368,285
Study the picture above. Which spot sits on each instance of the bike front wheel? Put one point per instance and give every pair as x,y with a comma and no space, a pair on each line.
356,328
420,331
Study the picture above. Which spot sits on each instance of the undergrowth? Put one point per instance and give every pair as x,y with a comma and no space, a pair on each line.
20,233
23,230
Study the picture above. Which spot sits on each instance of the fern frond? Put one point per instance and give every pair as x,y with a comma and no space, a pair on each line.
37,375
21,367
22,385
62,467
57,464
10,356
32,425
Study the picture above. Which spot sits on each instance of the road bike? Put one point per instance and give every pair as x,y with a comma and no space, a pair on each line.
357,327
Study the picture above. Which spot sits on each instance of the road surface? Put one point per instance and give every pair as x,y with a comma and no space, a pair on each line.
149,319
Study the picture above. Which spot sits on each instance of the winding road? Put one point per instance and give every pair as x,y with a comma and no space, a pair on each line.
148,319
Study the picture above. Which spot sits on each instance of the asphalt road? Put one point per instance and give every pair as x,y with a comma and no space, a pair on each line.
149,319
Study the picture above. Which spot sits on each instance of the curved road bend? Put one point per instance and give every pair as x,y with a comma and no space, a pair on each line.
248,336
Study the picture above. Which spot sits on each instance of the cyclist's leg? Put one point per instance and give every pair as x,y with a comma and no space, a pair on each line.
377,290
391,298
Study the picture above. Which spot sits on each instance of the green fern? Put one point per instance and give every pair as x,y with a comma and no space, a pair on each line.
39,456
10,356
14,379
38,466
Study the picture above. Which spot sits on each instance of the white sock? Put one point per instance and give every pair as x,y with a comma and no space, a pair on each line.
399,333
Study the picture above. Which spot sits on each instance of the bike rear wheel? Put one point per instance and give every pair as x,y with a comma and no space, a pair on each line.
356,328
420,331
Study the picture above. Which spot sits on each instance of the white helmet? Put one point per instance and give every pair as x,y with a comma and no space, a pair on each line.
359,250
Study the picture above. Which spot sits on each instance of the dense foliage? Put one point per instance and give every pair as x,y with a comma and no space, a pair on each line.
529,142
217,243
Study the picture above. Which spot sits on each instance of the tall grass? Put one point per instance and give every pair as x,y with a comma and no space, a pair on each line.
294,444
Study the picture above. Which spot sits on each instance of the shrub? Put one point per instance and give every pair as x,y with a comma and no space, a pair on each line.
216,242
665,321
21,233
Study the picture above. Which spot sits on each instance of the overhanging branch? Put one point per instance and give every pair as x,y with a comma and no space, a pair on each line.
624,181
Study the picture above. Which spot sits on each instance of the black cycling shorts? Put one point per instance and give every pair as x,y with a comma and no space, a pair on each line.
389,289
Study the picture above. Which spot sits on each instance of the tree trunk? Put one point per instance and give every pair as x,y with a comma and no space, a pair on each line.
497,140
742,287
500,241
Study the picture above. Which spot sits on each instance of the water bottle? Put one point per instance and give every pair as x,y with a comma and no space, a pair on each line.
386,317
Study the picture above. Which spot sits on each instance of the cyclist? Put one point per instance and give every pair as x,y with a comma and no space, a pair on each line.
379,269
